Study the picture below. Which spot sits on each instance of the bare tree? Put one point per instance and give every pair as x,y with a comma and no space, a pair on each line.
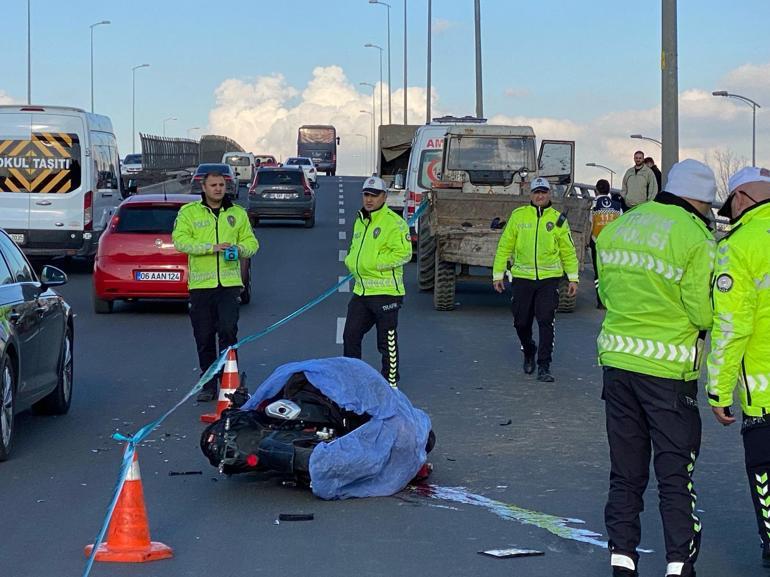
724,163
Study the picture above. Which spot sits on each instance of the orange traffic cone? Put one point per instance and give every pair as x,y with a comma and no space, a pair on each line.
128,536
230,382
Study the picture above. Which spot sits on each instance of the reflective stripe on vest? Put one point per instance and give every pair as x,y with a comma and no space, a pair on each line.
647,348
630,258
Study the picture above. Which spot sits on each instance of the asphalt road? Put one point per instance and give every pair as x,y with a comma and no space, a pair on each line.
519,454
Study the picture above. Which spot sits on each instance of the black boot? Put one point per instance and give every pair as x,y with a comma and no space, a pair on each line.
544,374
529,364
623,572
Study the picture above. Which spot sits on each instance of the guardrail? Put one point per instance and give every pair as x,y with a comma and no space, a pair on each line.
213,146
160,153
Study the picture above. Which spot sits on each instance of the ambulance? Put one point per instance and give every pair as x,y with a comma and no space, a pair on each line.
424,167
59,178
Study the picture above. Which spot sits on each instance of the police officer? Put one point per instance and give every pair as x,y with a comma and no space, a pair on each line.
380,247
537,239
216,234
740,353
607,207
655,265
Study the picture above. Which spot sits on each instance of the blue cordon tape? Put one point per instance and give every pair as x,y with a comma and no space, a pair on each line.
133,440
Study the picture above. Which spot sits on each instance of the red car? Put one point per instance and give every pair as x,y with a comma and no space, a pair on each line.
136,258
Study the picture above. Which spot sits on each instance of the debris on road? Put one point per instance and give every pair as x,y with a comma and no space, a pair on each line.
296,517
182,473
513,552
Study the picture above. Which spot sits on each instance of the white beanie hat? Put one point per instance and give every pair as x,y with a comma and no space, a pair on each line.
747,175
692,179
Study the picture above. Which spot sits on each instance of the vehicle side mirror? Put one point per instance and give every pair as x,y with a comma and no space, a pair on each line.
338,140
52,276
398,182
237,173
130,188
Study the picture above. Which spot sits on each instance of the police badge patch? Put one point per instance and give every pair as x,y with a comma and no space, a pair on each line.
724,283
376,232
549,226
231,220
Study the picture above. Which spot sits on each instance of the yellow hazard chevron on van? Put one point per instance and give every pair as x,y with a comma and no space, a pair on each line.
647,348
48,163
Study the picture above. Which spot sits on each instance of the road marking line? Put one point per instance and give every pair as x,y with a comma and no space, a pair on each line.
341,202
341,254
340,329
342,211
342,221
343,235
344,288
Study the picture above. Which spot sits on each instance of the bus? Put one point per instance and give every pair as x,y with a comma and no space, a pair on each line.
319,143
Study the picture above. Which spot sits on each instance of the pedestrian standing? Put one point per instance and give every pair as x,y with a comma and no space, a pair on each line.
537,240
639,182
649,162
740,353
655,267
216,235
607,207
379,249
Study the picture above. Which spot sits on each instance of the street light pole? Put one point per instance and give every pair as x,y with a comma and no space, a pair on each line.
390,120
381,98
640,137
366,150
133,103
29,52
612,172
479,94
164,123
669,88
189,130
92,59
372,156
406,121
427,84
754,106
372,86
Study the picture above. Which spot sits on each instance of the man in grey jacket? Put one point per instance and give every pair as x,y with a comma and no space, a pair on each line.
639,182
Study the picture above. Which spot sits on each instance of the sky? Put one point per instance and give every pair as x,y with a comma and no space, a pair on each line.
256,70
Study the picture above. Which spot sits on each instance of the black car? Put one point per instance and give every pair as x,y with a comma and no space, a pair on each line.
281,193
36,337
231,181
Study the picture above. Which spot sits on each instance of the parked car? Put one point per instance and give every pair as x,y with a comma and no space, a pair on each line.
307,166
281,193
36,337
136,258
132,164
231,180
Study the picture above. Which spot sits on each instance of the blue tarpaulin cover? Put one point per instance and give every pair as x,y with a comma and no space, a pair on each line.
378,458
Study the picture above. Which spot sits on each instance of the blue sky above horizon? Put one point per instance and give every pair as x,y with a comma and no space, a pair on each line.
571,65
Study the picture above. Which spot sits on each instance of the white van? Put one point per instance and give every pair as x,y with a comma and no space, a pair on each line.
59,178
243,165
425,158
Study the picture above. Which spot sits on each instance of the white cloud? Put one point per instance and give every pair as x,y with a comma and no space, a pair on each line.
517,92
442,25
5,98
263,116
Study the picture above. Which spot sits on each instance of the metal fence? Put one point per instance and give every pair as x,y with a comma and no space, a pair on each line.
212,147
160,153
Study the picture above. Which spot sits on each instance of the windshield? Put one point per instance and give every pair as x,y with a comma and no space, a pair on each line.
316,135
147,219
266,159
299,162
238,160
490,153
133,159
286,177
206,168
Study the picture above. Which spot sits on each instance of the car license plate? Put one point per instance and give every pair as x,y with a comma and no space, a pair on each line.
281,195
17,238
157,275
